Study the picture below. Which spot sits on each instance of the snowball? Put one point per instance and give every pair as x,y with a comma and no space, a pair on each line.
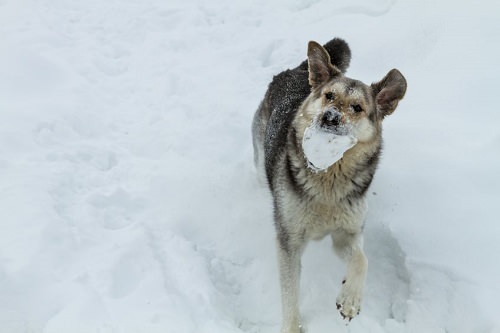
323,148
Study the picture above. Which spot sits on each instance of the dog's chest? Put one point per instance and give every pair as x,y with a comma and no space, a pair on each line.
322,202
317,218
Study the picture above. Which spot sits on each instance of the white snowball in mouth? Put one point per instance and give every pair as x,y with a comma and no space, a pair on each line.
323,148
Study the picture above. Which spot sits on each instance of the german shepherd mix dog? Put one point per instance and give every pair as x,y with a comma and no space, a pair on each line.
310,204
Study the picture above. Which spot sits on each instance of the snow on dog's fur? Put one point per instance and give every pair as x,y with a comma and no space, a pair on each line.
309,204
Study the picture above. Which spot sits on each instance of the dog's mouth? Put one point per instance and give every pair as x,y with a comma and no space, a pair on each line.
340,130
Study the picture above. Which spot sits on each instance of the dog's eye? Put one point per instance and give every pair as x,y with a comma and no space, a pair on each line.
357,108
330,96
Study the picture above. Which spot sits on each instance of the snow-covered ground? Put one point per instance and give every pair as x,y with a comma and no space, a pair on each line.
129,200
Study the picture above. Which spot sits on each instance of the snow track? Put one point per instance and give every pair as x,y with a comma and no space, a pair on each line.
129,198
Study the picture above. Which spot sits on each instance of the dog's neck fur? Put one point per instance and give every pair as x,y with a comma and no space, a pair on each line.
347,179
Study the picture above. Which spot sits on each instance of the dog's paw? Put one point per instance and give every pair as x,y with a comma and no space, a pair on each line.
349,300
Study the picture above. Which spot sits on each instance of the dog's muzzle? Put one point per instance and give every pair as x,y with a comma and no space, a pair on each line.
331,118
331,121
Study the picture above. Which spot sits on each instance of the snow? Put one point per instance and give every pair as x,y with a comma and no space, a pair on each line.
129,197
323,148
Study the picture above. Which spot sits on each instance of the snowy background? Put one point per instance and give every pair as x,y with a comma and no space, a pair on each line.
129,200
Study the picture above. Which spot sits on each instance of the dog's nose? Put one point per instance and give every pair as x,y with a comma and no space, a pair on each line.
331,118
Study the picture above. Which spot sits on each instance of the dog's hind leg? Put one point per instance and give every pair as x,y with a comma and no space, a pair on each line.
349,247
289,254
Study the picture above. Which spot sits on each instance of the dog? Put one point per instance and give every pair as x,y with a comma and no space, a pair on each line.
311,204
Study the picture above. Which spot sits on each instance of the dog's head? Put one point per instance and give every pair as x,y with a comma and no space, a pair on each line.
345,106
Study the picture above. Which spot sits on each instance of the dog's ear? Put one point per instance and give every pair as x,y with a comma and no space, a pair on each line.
340,53
389,91
320,68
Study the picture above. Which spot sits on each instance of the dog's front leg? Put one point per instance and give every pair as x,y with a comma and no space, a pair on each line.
289,254
350,248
